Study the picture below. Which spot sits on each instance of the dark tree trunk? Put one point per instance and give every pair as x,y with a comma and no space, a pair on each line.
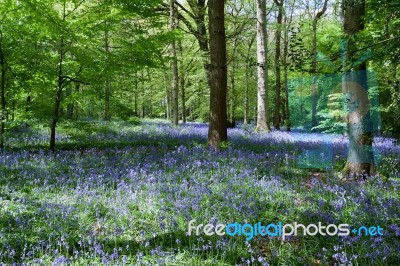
183,97
142,94
107,84
232,96
2,88
182,82
174,67
70,107
136,95
57,101
13,110
28,103
136,104
217,131
75,105
360,156
278,65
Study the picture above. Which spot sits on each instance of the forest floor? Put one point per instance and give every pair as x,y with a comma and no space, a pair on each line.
124,193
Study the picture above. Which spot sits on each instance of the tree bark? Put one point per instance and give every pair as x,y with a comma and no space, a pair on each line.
285,72
167,97
360,160
59,89
278,35
136,95
174,67
107,83
182,82
262,69
2,88
247,82
314,65
75,106
70,107
217,131
57,101
13,110
183,97
232,95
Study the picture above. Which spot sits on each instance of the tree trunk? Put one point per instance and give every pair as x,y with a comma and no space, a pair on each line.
314,65
58,96
217,131
246,97
167,97
174,66
360,160
136,95
183,97
13,110
278,35
28,103
59,89
247,82
314,71
70,107
75,105
3,96
182,82
232,95
285,71
262,69
107,84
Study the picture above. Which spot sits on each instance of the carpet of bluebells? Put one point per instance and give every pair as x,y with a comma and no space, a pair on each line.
123,194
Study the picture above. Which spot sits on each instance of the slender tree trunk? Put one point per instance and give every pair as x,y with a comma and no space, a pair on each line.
217,131
247,82
135,104
59,89
314,71
246,97
142,93
70,107
182,82
285,72
360,160
2,88
58,96
183,97
107,84
28,103
314,65
262,69
167,97
75,105
13,110
136,95
278,35
174,66
232,93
